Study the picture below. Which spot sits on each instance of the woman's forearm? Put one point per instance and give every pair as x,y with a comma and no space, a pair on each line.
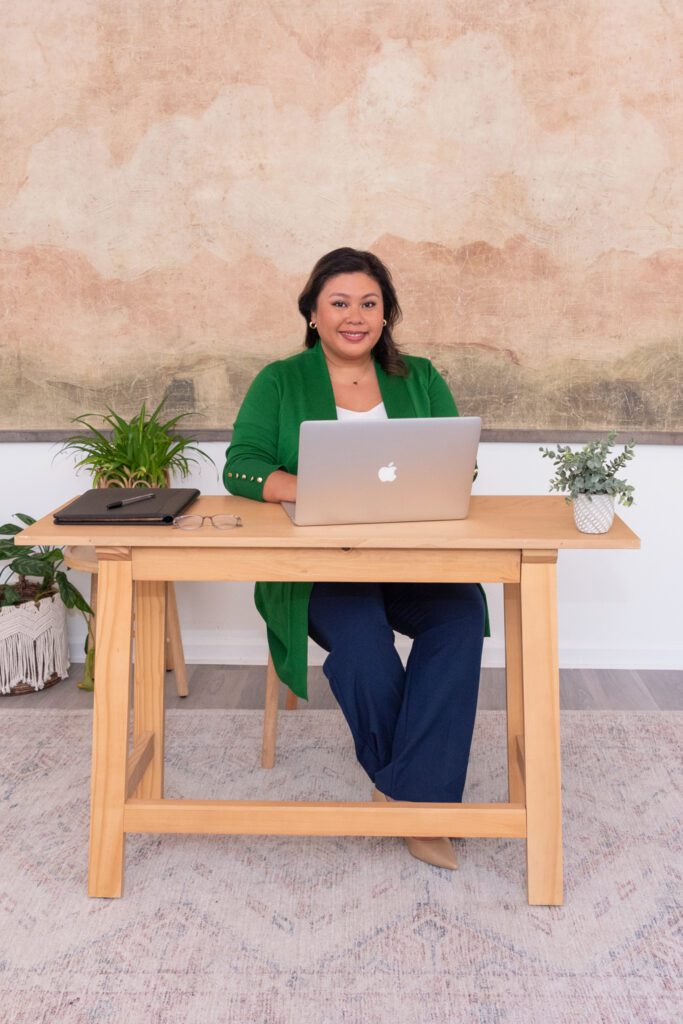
280,486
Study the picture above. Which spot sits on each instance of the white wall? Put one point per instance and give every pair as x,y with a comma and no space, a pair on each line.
617,609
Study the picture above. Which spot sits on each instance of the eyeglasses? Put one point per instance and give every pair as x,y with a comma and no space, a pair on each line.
196,522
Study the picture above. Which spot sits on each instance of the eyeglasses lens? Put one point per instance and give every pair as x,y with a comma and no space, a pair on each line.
188,522
226,522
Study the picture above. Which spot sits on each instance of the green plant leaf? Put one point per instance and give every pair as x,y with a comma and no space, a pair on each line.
8,551
32,565
8,595
64,592
10,530
28,520
53,554
71,597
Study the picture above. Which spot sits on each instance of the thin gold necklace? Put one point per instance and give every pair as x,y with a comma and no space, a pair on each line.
362,376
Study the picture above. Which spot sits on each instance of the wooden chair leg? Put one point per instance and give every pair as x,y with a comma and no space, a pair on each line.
175,641
168,653
93,605
92,622
270,716
291,701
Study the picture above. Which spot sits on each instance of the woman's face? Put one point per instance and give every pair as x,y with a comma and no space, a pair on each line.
349,315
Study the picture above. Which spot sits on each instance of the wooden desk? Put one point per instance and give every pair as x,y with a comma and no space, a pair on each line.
508,540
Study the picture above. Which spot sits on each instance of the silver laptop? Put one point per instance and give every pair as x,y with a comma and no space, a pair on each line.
384,471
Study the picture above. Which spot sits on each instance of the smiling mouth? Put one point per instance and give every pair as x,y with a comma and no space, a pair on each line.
354,335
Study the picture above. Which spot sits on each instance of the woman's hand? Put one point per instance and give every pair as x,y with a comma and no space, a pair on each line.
280,486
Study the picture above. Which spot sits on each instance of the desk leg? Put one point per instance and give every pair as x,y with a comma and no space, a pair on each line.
514,692
148,687
541,685
110,723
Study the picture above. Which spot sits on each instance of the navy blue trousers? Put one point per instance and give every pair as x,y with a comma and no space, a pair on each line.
412,728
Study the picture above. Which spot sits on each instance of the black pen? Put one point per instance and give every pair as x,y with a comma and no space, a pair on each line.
130,501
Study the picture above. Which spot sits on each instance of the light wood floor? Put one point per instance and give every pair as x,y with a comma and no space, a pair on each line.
243,686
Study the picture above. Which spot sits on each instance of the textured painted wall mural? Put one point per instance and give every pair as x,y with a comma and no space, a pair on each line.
169,172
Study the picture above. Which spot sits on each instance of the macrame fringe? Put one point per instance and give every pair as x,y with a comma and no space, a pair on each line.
35,646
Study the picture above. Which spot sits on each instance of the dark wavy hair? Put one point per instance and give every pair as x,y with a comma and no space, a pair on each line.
353,261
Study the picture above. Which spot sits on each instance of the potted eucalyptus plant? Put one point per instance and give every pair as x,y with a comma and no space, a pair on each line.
34,593
589,479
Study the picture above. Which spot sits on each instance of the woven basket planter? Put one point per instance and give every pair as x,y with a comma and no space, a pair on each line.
34,652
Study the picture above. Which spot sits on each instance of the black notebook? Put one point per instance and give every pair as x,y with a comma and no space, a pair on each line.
91,507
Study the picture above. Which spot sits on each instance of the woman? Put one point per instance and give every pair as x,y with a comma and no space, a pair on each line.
412,728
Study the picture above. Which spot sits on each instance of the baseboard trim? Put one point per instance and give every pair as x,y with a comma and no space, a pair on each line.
209,647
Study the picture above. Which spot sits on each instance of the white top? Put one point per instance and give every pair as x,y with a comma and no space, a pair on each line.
378,412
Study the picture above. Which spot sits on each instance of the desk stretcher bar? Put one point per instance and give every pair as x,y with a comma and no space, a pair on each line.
298,817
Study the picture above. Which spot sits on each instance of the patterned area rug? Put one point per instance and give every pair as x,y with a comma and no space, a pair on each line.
317,930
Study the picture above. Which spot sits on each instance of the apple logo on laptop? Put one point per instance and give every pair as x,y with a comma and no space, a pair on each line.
387,473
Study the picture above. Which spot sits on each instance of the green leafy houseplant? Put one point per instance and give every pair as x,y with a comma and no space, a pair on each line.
590,471
141,452
41,564
32,573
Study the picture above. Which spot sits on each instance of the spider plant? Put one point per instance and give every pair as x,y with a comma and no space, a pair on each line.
140,452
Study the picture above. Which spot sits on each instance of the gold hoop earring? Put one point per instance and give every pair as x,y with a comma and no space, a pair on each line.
384,322
311,325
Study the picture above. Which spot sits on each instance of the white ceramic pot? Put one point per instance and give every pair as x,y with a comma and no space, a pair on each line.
34,651
593,513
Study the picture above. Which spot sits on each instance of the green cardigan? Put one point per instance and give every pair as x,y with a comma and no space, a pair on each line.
266,438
